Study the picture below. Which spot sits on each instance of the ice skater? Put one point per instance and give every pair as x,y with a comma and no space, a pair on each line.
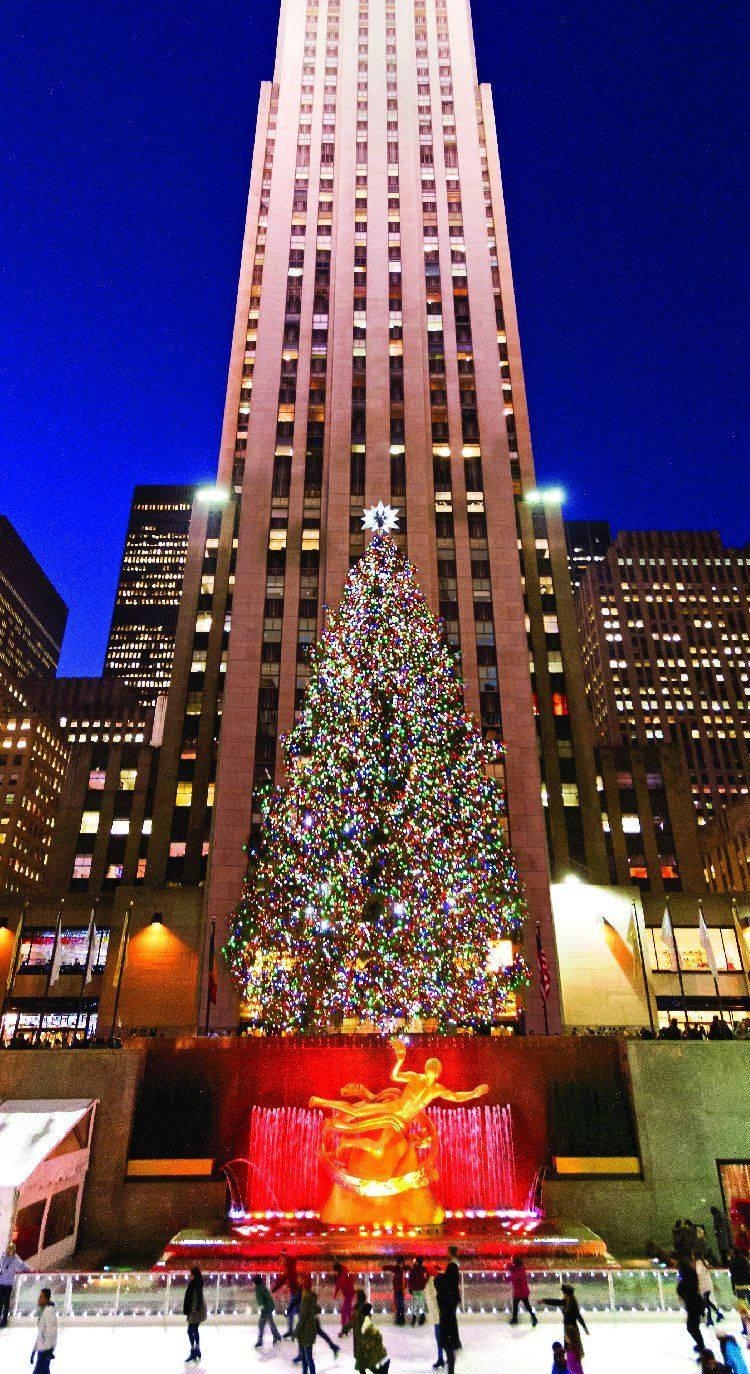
266,1312
706,1289
345,1286
572,1320
416,1282
519,1284
373,1353
194,1308
447,1306
690,1296
307,1326
398,1281
46,1334
289,1279
433,1317
355,1325
11,1265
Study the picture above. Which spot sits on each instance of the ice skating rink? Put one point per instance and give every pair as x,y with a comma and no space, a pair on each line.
645,1344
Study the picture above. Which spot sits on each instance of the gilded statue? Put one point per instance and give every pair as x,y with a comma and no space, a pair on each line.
381,1149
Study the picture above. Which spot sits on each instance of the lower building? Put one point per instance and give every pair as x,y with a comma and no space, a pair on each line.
725,849
33,763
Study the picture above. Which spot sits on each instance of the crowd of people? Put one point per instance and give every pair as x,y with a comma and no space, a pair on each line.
433,1297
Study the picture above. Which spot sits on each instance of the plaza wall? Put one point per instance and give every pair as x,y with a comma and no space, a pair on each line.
687,1105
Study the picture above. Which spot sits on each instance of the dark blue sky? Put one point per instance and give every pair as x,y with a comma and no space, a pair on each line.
127,135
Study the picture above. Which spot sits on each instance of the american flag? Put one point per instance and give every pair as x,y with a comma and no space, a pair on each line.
545,981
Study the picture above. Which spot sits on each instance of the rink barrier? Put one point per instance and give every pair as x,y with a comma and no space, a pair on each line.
156,1296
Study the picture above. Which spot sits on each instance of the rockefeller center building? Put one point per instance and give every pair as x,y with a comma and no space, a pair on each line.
376,357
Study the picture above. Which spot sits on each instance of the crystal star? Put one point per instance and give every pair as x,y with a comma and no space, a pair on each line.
380,518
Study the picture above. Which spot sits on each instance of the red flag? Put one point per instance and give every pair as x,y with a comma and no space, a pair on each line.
212,984
545,981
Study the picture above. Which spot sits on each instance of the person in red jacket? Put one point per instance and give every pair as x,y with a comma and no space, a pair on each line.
345,1286
519,1284
417,1282
289,1279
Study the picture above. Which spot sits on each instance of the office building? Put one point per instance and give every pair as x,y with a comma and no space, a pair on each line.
376,357
33,763
141,638
32,614
588,542
665,634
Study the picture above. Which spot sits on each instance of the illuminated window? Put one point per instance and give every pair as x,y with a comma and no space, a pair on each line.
89,822
184,795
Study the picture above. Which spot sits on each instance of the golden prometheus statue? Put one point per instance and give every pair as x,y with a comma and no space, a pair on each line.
381,1150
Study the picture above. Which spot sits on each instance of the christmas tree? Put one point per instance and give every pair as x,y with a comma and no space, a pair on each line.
381,886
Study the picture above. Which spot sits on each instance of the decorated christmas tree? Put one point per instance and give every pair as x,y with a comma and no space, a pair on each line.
381,889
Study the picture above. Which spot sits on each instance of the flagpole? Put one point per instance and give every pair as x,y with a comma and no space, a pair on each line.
646,988
50,972
84,975
209,989
539,950
711,962
677,962
740,937
15,959
122,958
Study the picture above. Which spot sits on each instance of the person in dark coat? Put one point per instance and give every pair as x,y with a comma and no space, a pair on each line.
453,1278
355,1324
572,1319
689,1294
194,1308
447,1307
399,1283
739,1274
722,1234
266,1311
417,1283
372,1349
307,1327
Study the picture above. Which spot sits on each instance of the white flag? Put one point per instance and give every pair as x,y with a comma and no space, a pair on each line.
54,972
706,945
668,935
123,951
15,955
90,957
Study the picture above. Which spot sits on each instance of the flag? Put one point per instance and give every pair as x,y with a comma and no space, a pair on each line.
123,951
16,954
706,945
632,935
54,972
89,970
668,936
212,984
545,981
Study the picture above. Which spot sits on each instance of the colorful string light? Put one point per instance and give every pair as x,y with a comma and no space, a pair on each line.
381,885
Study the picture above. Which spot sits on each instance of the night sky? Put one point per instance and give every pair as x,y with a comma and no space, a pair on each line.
127,137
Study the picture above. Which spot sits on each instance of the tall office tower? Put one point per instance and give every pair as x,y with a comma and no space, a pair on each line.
376,357
588,542
32,614
665,633
142,634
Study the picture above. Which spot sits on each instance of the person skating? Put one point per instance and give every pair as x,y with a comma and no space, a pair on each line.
371,1345
46,1334
266,1312
11,1265
417,1281
447,1306
355,1324
194,1308
690,1296
559,1363
706,1289
289,1279
722,1234
572,1320
708,1364
433,1317
453,1277
345,1286
519,1284
398,1281
739,1274
730,1352
307,1326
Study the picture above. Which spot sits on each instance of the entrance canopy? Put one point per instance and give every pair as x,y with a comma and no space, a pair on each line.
44,1158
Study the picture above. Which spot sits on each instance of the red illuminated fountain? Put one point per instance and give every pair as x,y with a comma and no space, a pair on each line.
374,1172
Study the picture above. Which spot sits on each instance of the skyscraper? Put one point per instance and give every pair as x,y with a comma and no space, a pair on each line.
142,635
376,357
32,614
665,636
588,541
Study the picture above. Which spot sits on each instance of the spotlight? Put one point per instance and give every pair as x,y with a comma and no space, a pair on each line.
157,919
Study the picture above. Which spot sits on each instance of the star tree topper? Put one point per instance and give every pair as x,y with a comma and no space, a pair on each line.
382,519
